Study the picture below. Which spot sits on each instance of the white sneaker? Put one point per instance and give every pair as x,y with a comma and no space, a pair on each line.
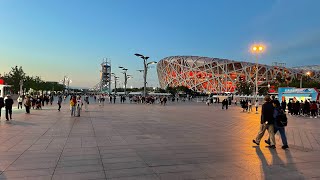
310,116
315,117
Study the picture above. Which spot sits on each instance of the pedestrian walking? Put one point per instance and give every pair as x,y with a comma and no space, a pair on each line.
266,123
79,106
314,110
59,102
19,100
27,104
279,124
73,103
256,105
8,102
249,106
86,103
1,105
284,105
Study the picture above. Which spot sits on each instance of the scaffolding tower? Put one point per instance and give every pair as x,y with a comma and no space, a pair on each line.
105,78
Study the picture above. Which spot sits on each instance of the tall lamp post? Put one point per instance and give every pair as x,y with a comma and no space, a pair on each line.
115,83
126,77
308,74
257,49
145,70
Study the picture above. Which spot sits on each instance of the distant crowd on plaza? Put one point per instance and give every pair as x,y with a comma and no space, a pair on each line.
302,108
34,102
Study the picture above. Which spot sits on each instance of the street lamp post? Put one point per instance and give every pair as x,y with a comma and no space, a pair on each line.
257,49
308,73
145,71
115,83
126,77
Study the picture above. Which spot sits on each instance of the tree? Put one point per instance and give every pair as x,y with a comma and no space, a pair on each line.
14,77
306,83
245,88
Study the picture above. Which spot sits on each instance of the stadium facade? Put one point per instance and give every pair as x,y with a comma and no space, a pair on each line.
216,75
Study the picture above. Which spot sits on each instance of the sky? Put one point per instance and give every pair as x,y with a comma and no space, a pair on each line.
54,38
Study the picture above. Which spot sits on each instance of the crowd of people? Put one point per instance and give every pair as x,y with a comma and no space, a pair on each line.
246,105
302,108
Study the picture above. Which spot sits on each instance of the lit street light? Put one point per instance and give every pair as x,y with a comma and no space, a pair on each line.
257,49
145,71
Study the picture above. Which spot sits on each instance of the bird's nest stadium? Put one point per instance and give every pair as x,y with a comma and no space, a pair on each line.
214,75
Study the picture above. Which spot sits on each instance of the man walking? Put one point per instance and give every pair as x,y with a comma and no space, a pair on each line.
59,102
1,105
8,102
266,123
86,102
27,104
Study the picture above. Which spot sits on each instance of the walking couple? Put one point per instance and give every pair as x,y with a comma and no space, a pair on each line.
273,119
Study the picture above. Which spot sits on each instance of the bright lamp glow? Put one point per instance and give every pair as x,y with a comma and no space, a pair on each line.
257,48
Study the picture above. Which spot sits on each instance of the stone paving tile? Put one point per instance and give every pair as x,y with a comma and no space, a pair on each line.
143,177
125,165
27,173
80,176
184,175
78,169
26,178
121,160
79,163
129,172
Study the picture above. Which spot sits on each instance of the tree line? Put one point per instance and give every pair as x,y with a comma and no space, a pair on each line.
17,75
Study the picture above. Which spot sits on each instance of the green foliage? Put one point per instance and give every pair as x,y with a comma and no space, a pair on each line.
306,83
13,78
36,83
245,88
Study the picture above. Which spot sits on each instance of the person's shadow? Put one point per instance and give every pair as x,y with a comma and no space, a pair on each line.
278,168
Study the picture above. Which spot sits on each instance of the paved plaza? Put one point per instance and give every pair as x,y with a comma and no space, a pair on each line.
135,141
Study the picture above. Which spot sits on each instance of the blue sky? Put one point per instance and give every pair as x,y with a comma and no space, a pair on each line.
53,38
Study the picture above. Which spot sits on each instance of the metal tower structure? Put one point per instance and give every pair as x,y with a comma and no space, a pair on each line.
105,77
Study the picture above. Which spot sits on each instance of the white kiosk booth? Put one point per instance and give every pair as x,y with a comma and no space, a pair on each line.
4,90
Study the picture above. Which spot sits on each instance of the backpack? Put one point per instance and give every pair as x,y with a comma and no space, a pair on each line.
281,118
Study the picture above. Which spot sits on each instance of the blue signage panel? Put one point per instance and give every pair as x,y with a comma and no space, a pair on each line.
288,93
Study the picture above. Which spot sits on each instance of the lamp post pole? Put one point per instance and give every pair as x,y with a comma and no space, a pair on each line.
256,83
145,76
145,71
125,79
256,49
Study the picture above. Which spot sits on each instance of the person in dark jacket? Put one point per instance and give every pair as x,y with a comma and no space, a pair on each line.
1,105
284,105
266,123
8,102
27,104
278,126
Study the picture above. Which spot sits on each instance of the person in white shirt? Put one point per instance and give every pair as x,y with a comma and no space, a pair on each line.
249,106
19,102
78,106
